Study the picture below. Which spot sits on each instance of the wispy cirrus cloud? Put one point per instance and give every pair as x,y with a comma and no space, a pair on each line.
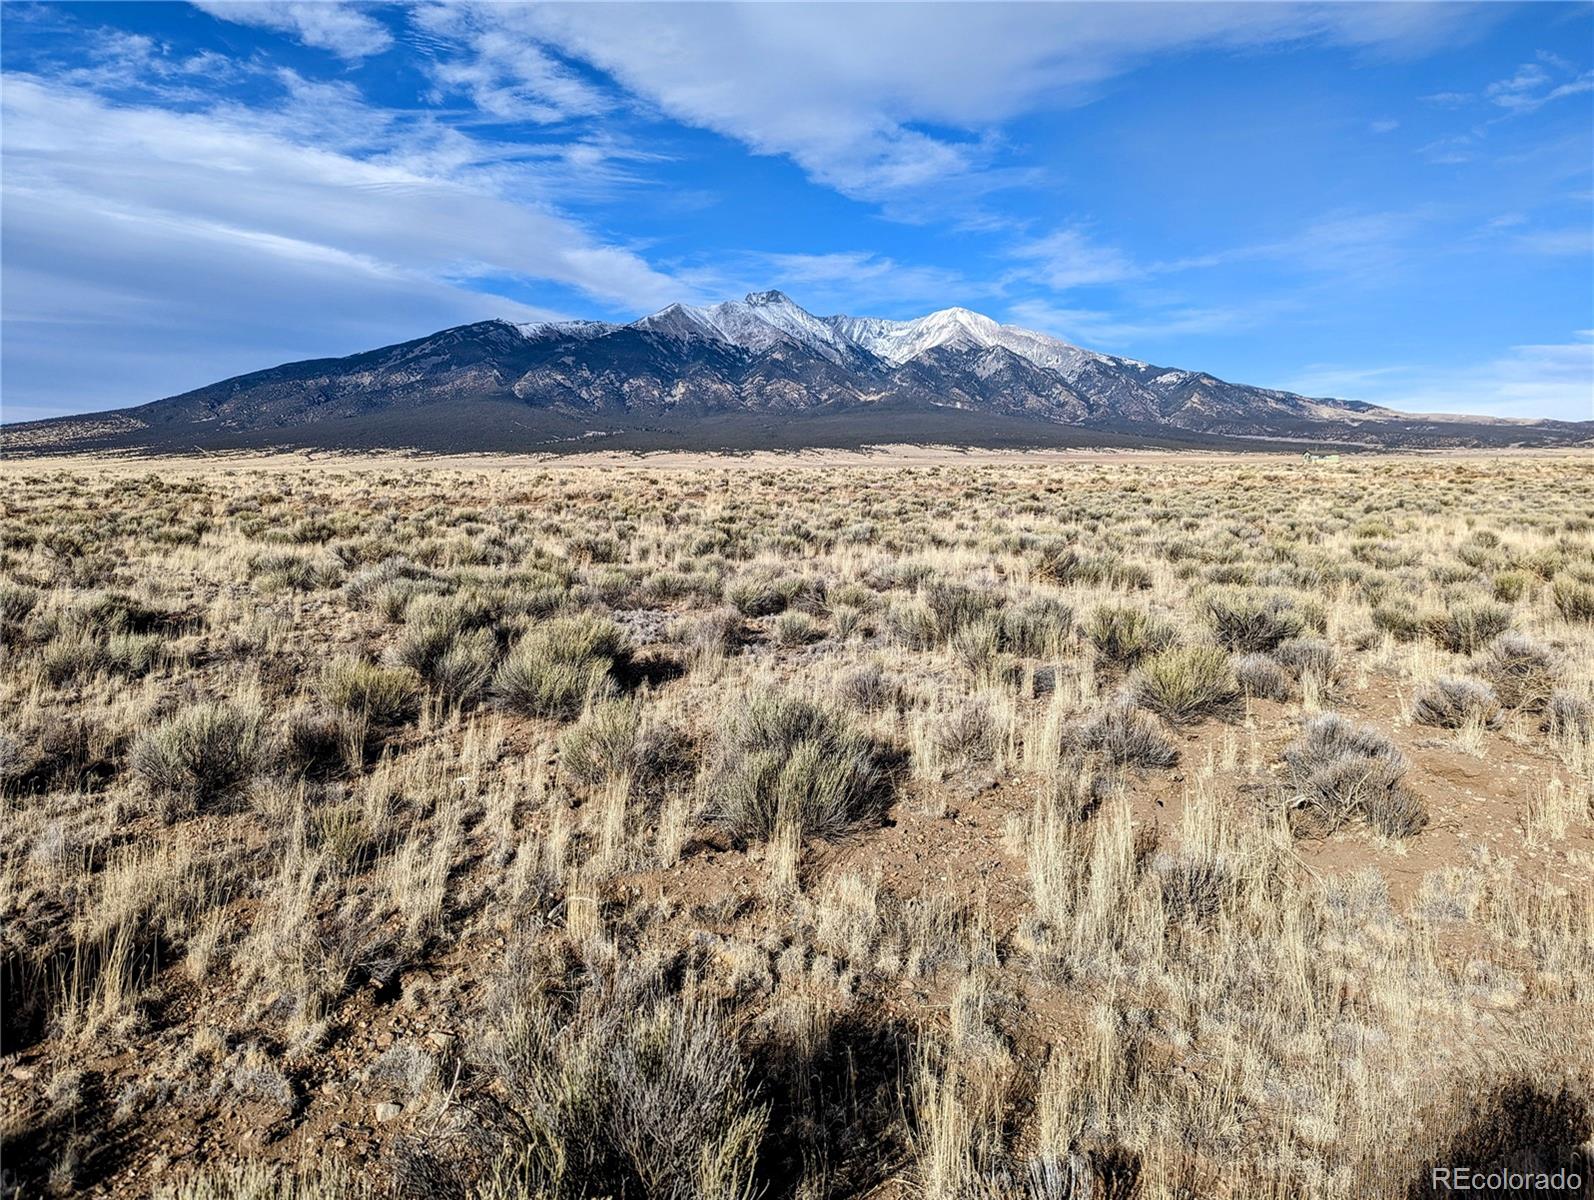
1119,331
1071,258
492,56
155,164
133,225
1534,85
1536,380
327,25
1346,245
877,102
1531,87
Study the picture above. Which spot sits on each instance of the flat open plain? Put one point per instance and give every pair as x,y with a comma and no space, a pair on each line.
908,824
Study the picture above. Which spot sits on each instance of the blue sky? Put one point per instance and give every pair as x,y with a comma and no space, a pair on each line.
1391,202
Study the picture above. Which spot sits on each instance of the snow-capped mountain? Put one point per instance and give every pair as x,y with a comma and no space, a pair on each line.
959,329
757,371
757,323
950,358
764,319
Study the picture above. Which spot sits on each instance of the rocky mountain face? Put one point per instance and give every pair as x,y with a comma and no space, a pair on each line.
761,357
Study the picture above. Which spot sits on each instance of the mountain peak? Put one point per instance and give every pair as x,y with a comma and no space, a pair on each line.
765,321
959,328
981,328
958,313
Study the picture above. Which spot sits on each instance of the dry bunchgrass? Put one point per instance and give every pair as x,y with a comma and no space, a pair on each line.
963,831
782,760
1185,683
559,666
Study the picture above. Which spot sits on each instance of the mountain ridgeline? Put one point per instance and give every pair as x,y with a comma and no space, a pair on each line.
749,374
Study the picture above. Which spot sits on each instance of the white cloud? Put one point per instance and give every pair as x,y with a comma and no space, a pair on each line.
1344,245
230,170
1116,332
1149,310
1384,125
1554,380
1070,258
1532,87
98,321
114,60
1341,244
324,24
493,58
1451,150
1521,89
174,247
1526,91
877,100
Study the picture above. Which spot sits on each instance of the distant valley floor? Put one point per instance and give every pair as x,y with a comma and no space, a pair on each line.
496,427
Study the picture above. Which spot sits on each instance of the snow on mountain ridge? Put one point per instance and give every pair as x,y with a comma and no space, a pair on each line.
762,319
574,328
962,329
758,322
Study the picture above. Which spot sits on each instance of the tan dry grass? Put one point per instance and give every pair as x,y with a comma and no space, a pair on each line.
430,945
